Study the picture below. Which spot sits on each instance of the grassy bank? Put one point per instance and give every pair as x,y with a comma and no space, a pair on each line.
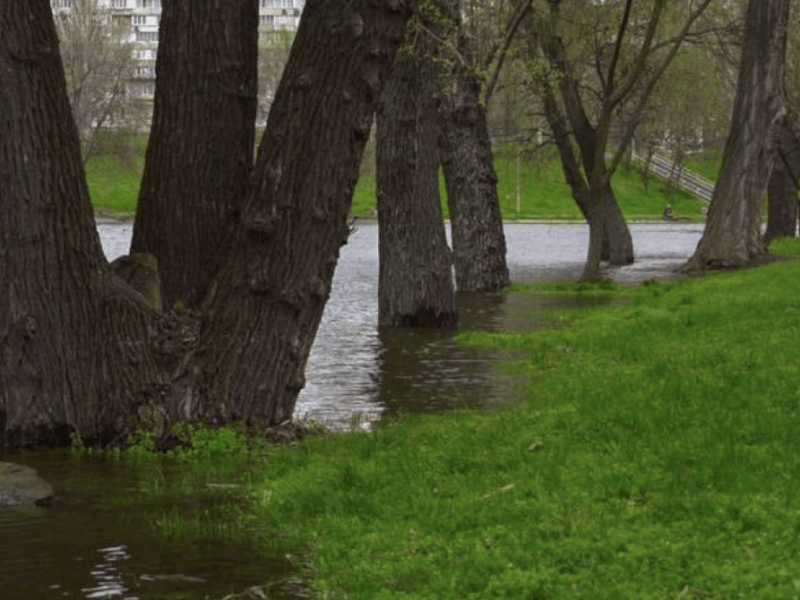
654,454
527,188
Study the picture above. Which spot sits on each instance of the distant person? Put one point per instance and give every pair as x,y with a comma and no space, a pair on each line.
668,214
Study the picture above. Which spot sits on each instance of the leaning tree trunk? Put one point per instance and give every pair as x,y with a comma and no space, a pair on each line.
200,151
415,284
73,338
732,236
782,186
267,301
611,221
465,153
80,350
610,228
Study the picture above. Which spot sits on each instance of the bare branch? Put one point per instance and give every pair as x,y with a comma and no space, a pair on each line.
498,54
638,65
650,86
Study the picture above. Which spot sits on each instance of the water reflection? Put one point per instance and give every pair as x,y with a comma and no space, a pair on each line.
108,575
99,540
356,373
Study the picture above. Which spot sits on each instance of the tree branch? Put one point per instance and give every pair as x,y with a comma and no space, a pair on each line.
638,65
623,26
499,53
650,86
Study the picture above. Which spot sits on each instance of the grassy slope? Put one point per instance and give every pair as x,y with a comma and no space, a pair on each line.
654,454
543,193
114,183
656,449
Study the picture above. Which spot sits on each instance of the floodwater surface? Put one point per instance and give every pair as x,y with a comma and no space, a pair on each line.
103,538
104,541
358,372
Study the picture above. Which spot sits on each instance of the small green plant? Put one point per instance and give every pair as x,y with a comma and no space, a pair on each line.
141,446
76,444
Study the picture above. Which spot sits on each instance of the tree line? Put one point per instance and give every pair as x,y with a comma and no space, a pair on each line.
212,316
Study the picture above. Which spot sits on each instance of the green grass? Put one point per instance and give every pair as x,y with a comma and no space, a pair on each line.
114,176
543,194
706,163
653,455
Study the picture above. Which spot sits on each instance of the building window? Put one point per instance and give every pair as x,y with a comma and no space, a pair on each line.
146,36
267,20
148,3
146,89
139,19
119,3
63,3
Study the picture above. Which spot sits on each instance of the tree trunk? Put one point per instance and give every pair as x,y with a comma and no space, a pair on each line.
782,186
597,236
616,242
479,244
268,298
80,349
74,340
200,151
415,285
732,236
465,153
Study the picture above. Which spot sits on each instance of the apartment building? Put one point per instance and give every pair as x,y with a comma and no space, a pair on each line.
140,19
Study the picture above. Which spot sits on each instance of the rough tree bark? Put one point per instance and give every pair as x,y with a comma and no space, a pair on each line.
80,350
200,151
732,236
73,350
415,285
465,153
782,186
269,296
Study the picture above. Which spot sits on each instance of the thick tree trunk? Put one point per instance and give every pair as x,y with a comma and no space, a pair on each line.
268,298
783,186
80,350
74,340
597,237
732,236
617,242
479,244
465,153
200,151
415,286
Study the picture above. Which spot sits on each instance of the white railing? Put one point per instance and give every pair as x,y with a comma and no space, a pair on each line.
695,184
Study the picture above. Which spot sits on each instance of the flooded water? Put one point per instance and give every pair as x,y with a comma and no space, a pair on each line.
358,373
100,539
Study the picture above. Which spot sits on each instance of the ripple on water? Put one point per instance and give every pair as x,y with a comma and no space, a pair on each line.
100,539
357,373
